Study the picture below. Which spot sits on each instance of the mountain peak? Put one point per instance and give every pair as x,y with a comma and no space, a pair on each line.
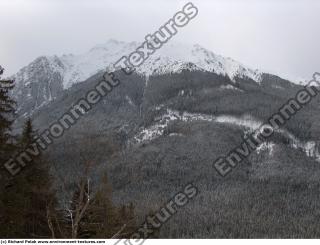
170,58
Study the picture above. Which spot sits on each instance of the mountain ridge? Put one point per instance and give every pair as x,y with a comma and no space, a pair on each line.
170,58
40,82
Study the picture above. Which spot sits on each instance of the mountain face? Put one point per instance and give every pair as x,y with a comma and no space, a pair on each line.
164,127
40,81
152,138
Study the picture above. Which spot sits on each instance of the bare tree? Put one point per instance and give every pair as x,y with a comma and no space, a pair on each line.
87,209
80,201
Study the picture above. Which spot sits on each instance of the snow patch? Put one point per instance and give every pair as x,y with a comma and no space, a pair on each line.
158,129
230,87
277,86
266,146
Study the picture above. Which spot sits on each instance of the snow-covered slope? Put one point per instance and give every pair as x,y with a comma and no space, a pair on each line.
249,123
172,57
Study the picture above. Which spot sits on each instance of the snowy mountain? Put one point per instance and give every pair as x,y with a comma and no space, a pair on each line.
172,57
46,76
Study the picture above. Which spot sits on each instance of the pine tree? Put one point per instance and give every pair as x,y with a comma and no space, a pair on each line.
7,111
7,148
103,218
29,199
27,135
38,189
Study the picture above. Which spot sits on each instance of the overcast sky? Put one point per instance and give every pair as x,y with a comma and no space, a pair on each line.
278,36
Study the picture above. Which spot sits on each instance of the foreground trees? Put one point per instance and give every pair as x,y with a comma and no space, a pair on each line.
86,201
28,196
91,214
29,207
7,148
